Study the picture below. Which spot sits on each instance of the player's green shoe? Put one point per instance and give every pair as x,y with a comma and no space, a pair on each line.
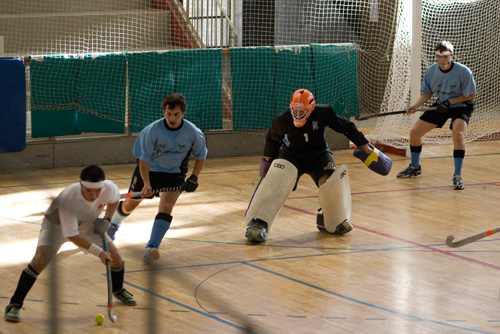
12,312
125,297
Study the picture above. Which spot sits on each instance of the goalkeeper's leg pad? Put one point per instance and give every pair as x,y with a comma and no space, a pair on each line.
335,199
272,193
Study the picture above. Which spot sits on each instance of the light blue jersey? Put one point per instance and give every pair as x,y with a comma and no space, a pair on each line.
164,149
447,85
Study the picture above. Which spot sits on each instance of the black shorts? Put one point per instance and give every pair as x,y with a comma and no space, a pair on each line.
158,180
316,163
440,118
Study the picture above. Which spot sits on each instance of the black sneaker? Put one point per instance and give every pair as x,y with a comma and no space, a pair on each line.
257,230
341,229
12,312
125,297
410,171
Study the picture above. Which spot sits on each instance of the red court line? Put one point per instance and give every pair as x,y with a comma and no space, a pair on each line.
393,237
408,189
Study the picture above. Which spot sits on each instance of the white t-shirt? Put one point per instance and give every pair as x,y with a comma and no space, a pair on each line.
76,214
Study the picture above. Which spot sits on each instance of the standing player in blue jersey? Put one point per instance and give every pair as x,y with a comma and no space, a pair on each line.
163,149
455,88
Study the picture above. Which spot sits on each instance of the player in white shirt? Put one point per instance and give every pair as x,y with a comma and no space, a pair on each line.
74,216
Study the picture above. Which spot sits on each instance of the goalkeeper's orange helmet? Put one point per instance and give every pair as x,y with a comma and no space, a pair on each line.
301,106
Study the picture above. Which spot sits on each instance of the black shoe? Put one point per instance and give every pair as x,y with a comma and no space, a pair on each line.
125,297
342,228
12,312
257,230
410,171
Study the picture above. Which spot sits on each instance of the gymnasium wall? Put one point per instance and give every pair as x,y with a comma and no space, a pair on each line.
115,95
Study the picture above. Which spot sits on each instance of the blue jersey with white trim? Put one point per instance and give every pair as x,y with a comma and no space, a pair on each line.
449,84
164,149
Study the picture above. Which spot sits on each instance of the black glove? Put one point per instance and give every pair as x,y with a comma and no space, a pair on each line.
191,184
101,225
444,106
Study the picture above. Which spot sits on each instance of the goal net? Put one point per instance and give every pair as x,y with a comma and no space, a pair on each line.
105,66
471,27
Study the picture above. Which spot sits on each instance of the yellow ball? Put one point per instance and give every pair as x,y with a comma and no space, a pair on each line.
99,319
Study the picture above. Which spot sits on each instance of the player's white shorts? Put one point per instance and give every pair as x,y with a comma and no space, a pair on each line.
51,235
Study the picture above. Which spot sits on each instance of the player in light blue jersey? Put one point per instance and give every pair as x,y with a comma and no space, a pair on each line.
162,150
455,89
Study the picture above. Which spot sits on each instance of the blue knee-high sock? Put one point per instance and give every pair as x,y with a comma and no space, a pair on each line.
415,155
458,157
160,227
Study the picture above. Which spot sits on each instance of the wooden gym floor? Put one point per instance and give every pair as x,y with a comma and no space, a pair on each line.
392,274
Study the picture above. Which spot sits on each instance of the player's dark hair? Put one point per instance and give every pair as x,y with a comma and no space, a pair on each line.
444,46
174,100
92,173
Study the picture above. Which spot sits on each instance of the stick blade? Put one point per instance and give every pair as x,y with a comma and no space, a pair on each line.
449,241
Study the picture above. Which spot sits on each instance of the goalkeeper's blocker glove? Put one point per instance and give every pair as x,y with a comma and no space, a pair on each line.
375,161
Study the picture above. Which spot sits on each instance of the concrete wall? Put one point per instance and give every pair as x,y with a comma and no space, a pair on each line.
118,150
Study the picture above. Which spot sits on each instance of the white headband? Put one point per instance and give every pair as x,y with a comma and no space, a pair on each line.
446,53
92,185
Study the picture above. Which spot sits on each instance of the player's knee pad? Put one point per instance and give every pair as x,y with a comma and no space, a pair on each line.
335,200
272,192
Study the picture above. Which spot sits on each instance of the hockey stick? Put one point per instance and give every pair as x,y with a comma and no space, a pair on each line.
156,191
460,243
362,118
111,316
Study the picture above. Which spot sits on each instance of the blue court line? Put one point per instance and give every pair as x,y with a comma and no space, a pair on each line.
361,302
209,315
415,248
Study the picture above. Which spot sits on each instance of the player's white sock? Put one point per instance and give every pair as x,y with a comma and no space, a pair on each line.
118,219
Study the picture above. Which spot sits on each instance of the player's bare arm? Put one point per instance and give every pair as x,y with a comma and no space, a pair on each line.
199,164
83,243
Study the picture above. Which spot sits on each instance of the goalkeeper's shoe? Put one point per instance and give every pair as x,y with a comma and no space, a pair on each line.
342,228
125,297
12,312
410,171
257,231
457,182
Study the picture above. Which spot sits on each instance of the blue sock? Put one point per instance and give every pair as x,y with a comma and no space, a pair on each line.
458,158
160,227
458,165
415,159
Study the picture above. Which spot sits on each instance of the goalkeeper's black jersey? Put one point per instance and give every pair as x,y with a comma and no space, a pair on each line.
311,136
